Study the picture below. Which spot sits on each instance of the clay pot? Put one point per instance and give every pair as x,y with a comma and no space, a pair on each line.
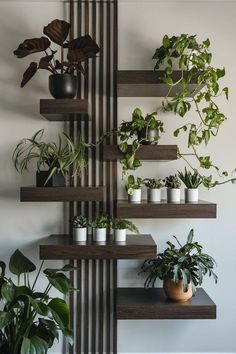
175,292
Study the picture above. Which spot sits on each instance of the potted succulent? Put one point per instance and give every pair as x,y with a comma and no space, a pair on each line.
100,225
181,269
120,227
154,186
62,81
80,224
173,189
133,188
192,180
30,318
65,158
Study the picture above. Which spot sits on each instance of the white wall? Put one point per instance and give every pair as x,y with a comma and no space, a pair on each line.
142,24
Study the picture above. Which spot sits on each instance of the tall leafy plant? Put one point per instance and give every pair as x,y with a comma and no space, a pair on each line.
30,319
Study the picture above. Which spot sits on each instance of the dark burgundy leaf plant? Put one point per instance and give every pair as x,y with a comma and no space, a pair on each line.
77,51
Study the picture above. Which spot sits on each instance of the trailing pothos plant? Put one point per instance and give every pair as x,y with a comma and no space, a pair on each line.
30,319
78,50
131,139
193,60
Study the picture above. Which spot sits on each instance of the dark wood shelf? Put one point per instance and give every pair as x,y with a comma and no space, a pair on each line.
63,247
164,210
64,109
144,83
150,304
145,152
61,194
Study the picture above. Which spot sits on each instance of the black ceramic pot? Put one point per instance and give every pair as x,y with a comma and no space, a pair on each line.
63,85
148,137
57,180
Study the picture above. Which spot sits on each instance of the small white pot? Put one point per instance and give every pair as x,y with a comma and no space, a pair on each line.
154,195
136,196
80,234
100,235
173,195
191,195
120,235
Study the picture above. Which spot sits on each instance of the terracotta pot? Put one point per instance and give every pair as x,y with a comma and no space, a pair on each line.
175,292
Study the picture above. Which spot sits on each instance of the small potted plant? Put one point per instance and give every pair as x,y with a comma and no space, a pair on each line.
154,186
120,227
192,180
181,269
80,224
133,188
100,225
62,81
173,189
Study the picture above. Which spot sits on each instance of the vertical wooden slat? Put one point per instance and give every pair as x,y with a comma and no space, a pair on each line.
101,89
86,307
114,319
101,307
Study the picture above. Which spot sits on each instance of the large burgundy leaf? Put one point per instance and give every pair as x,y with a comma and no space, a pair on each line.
30,46
29,73
82,48
57,31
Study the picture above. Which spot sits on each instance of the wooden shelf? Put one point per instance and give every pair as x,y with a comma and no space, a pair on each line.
64,109
164,210
146,304
145,152
61,194
133,83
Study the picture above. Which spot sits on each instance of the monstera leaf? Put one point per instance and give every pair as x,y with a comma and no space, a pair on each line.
33,45
57,31
82,48
29,73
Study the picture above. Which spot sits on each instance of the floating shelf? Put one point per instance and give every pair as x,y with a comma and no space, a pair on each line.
61,194
132,83
150,304
64,109
145,152
164,210
63,247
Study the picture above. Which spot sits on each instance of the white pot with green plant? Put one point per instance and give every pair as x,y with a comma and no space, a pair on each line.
100,225
154,186
133,188
120,227
80,224
173,184
181,269
192,180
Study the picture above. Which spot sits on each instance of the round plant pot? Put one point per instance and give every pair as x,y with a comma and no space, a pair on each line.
63,85
136,196
175,292
154,195
173,195
148,136
120,235
80,234
100,235
191,195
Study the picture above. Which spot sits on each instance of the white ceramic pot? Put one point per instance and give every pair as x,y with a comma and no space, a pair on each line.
120,235
154,195
136,196
191,195
80,234
173,195
100,235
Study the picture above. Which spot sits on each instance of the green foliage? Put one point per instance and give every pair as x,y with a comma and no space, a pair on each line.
64,157
121,224
190,179
30,321
101,222
187,263
79,222
172,182
154,183
133,184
